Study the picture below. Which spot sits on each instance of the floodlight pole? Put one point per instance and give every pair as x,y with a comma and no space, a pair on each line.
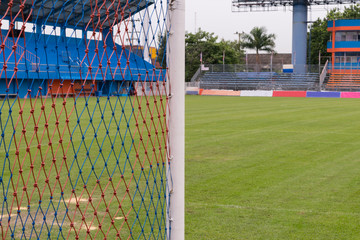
176,64
299,35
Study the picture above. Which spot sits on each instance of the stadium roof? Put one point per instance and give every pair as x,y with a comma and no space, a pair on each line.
75,12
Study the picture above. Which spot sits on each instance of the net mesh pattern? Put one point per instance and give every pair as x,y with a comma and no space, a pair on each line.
83,119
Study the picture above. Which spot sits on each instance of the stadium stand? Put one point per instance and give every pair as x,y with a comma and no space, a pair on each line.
342,82
259,81
45,54
62,62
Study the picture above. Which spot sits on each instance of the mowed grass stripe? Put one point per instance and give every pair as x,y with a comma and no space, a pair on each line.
299,155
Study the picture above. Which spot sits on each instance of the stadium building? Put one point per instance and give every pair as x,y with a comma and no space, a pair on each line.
45,55
344,45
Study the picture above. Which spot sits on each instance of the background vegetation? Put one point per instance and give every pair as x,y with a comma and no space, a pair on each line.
212,51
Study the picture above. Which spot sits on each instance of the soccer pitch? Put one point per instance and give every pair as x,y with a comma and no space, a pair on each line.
272,168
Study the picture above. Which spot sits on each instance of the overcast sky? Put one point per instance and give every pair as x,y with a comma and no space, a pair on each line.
216,16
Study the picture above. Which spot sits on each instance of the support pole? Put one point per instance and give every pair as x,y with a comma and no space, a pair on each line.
176,64
63,33
299,36
146,26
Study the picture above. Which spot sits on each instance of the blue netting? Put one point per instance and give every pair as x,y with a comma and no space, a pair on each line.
83,125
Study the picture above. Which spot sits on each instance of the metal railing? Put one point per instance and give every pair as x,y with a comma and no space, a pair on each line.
192,85
65,71
277,68
323,74
19,50
196,75
344,67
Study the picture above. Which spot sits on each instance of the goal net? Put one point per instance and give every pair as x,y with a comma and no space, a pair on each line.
84,119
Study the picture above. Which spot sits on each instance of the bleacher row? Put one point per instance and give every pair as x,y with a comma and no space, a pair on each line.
342,82
259,81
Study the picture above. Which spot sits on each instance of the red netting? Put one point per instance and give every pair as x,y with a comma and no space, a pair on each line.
83,123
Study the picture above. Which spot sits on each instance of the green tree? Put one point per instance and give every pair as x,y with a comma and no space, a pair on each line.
232,50
212,51
161,52
319,36
259,40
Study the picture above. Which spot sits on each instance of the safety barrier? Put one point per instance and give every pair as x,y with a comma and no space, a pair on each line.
289,94
323,94
259,93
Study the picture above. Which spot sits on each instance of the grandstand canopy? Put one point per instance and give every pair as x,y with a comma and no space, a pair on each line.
74,12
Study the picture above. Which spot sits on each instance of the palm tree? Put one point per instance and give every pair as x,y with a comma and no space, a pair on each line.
259,40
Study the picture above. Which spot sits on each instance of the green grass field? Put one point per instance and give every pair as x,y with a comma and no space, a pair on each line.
102,165
256,168
272,168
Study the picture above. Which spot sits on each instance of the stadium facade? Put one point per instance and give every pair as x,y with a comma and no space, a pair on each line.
344,46
42,55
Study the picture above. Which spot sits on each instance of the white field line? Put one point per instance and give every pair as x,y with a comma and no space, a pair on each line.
259,208
293,131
